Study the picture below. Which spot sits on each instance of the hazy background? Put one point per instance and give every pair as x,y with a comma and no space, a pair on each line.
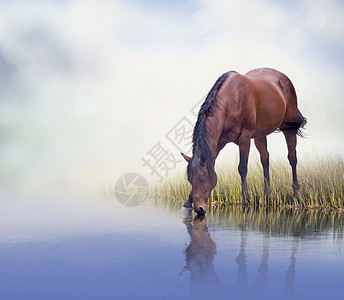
87,88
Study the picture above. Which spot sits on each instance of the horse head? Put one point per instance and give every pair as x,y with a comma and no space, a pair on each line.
202,182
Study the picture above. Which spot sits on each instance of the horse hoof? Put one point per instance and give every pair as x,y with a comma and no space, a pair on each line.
185,211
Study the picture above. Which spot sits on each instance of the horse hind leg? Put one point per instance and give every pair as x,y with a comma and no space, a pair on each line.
261,145
290,130
291,139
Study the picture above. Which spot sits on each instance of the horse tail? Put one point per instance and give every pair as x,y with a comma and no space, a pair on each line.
302,121
290,93
296,126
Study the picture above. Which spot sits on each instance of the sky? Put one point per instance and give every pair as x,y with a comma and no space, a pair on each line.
92,90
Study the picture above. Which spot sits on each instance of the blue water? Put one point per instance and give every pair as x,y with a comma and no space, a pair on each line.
64,247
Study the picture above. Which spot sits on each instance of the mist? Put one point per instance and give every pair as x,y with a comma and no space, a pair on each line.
89,89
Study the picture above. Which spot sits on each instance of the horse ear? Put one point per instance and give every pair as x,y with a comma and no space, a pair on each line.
187,158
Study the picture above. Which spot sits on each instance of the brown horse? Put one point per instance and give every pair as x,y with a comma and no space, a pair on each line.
237,109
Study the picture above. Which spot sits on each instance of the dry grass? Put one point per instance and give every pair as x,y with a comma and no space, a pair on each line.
321,181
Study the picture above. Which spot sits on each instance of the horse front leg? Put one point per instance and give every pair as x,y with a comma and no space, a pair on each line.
187,207
188,203
244,150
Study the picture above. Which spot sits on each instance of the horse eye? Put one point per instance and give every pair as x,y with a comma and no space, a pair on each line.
202,179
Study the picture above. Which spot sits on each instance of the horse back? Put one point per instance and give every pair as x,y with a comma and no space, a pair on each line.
254,104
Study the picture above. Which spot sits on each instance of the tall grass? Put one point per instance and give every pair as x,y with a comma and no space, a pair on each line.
321,181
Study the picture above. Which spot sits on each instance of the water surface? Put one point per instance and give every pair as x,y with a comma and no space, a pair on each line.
63,247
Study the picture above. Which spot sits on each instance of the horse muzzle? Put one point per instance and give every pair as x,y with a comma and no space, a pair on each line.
201,210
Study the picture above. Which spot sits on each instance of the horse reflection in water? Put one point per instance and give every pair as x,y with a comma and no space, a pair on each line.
259,283
291,273
200,255
258,289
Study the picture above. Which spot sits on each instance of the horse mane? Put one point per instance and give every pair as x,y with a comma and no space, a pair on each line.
200,146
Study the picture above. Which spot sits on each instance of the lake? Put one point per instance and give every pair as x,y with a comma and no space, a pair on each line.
70,247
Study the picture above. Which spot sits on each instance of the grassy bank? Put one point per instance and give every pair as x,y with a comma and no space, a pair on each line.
321,185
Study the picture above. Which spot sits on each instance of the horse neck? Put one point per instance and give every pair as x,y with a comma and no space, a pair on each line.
214,124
